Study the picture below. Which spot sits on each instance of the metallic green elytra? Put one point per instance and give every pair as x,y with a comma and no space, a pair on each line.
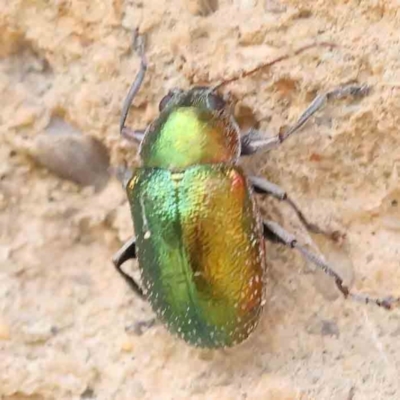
198,237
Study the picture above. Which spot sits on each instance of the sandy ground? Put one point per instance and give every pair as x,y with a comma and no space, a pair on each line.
69,326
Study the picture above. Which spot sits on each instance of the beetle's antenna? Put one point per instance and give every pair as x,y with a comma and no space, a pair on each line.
270,63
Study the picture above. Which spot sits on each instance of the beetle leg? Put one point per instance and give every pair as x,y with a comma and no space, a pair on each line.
125,253
275,232
320,101
261,185
254,141
133,135
138,45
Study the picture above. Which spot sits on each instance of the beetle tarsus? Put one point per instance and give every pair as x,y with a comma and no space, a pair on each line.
132,135
320,101
125,253
273,229
254,140
138,45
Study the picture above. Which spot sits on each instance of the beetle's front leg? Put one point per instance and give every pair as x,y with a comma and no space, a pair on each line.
263,186
138,45
136,135
274,232
125,253
254,140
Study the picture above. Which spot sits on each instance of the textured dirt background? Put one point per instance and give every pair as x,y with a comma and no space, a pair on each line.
69,326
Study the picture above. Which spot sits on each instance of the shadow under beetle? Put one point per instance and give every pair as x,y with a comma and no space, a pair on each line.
199,237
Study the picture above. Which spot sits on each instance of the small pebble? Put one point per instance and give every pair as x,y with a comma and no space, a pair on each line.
274,6
246,4
5,333
202,7
36,332
323,327
127,344
25,116
71,155
4,252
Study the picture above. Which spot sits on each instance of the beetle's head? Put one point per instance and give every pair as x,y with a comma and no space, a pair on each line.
194,127
202,97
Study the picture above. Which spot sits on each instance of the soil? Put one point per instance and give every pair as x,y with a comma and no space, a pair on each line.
70,328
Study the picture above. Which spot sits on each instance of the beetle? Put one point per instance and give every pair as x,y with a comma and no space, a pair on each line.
199,236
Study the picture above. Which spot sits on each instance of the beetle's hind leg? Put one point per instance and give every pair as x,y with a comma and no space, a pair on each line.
138,45
254,141
263,186
125,253
274,232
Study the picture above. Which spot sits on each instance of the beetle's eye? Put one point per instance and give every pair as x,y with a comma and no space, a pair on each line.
216,102
165,100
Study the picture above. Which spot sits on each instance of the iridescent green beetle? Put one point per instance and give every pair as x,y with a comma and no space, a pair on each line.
199,237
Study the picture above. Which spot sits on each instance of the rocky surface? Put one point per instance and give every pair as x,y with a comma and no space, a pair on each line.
69,326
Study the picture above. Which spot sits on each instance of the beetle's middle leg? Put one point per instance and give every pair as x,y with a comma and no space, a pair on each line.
254,141
263,186
125,253
274,232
